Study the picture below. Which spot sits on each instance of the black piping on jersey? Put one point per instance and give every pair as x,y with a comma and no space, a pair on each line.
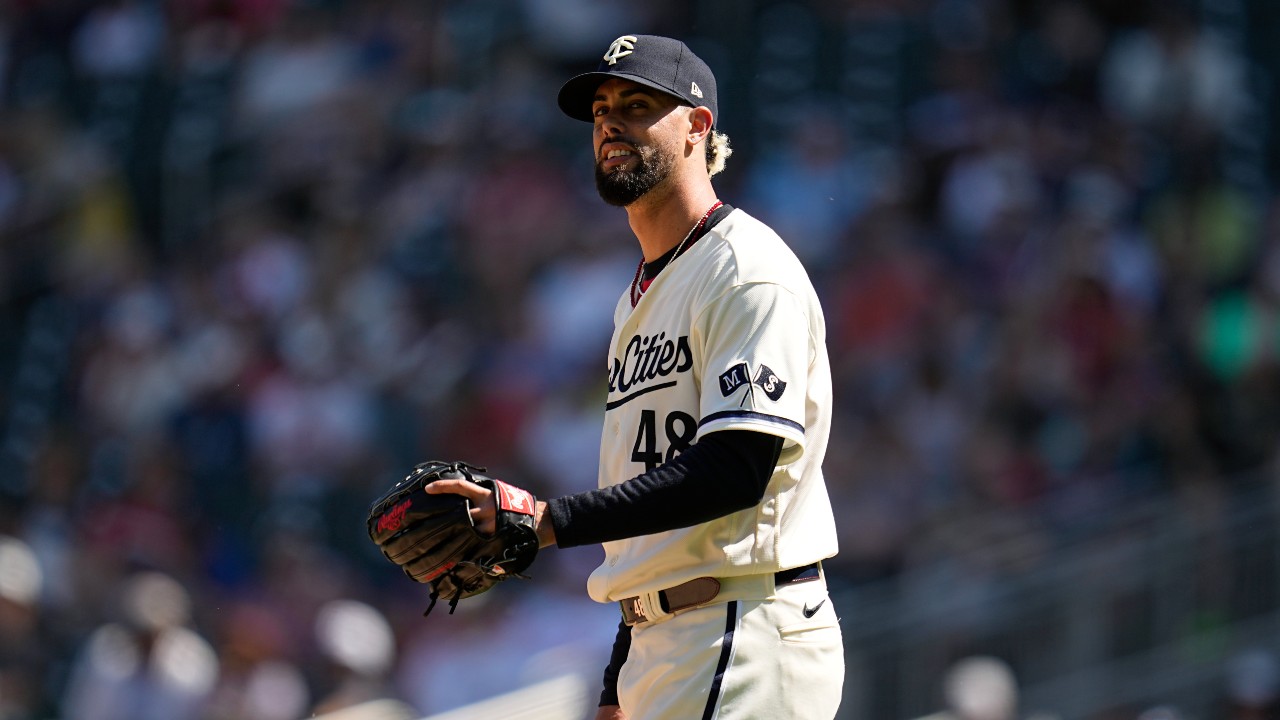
726,654
628,398
771,419
723,472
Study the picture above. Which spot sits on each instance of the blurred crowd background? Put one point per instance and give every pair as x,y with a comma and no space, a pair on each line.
258,257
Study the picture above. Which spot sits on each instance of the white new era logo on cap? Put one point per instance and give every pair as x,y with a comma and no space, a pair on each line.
695,91
620,48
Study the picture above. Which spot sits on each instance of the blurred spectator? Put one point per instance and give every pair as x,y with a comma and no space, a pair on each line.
1252,686
121,38
357,641
258,680
147,665
993,179
131,384
1174,76
24,658
301,64
815,184
981,688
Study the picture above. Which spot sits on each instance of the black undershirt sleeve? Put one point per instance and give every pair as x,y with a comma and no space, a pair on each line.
720,474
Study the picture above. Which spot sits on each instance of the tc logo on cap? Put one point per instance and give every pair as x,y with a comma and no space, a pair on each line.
620,48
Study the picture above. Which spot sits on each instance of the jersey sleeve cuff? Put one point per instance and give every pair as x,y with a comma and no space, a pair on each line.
785,428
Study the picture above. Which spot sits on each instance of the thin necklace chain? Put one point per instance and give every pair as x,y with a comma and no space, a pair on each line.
636,292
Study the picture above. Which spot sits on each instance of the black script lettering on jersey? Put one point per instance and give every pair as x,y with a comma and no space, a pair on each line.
648,357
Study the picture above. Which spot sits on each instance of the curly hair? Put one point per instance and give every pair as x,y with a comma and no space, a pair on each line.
718,152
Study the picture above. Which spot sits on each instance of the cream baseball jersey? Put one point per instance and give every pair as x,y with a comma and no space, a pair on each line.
730,335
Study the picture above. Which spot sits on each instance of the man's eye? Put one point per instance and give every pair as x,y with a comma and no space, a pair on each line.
599,111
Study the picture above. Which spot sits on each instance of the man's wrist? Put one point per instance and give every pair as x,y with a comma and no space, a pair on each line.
542,525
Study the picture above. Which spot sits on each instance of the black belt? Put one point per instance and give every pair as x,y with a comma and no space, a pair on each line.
700,591
806,572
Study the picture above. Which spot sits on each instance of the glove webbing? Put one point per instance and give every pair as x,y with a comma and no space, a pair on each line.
435,595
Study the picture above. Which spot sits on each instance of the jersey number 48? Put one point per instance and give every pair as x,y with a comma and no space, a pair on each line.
680,428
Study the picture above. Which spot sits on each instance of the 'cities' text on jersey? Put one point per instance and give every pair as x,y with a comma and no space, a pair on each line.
646,358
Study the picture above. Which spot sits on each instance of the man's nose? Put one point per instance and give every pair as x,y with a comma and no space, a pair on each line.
610,127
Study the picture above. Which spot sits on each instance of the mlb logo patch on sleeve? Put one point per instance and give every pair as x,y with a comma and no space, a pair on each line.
769,381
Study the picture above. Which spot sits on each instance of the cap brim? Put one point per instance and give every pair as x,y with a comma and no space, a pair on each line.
579,92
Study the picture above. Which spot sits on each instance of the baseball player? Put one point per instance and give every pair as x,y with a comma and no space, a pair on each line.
711,505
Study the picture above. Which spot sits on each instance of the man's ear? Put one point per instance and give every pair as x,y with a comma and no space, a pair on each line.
699,125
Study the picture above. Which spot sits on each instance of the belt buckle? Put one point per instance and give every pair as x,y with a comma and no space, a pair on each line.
645,607
633,611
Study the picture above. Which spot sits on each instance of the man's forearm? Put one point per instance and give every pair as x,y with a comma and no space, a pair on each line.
724,472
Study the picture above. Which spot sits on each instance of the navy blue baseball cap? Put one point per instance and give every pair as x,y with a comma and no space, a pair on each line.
658,62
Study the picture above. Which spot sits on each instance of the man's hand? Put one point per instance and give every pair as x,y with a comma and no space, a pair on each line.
484,508
610,712
451,526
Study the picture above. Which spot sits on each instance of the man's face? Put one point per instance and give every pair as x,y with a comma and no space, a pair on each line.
635,140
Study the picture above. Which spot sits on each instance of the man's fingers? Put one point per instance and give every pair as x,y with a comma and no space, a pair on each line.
464,488
483,507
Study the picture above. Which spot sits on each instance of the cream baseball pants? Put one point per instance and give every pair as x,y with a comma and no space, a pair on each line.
759,652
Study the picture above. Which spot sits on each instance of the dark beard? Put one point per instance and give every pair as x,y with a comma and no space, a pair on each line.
622,187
